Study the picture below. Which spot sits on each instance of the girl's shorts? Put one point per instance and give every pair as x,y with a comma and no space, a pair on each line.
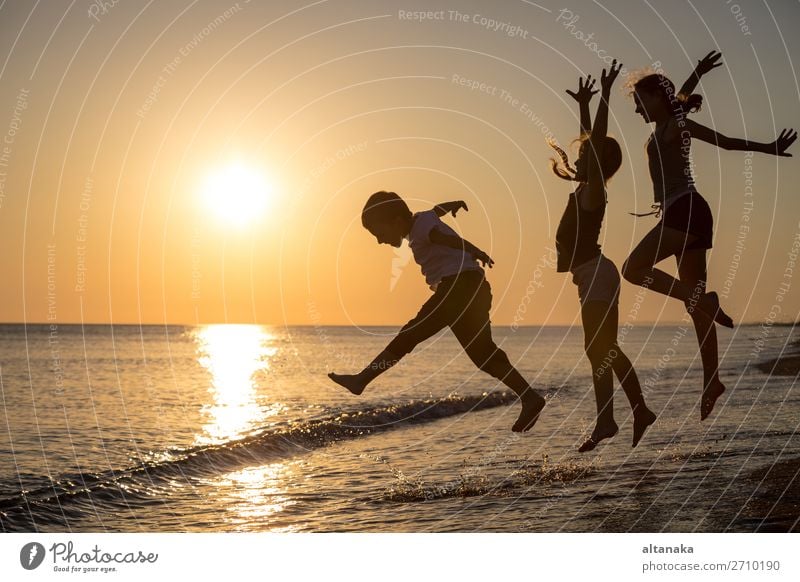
690,214
597,280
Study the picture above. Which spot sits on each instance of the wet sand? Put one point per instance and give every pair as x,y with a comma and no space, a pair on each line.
773,491
786,365
772,502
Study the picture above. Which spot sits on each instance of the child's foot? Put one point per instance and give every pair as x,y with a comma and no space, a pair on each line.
709,305
641,421
532,405
713,391
352,382
600,433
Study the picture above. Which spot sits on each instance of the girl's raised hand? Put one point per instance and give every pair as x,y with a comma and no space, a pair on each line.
785,139
607,79
707,63
584,93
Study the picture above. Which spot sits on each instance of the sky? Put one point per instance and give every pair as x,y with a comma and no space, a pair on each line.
133,132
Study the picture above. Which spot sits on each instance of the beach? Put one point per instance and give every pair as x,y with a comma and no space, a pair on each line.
774,503
237,428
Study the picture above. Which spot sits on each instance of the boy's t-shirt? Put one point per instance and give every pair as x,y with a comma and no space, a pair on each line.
437,261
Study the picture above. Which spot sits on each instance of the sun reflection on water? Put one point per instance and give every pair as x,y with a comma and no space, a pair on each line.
254,496
233,354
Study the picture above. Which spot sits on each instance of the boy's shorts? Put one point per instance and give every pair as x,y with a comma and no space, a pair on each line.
597,280
461,302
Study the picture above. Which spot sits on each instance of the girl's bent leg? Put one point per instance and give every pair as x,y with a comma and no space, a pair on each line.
657,245
692,270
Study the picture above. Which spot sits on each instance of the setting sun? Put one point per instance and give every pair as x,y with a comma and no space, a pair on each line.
237,193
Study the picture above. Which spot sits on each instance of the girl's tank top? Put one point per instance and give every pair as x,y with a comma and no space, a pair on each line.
577,234
670,165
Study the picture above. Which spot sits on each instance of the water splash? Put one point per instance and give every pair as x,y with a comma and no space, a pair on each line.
469,484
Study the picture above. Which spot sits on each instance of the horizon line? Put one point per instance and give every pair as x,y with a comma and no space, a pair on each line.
196,324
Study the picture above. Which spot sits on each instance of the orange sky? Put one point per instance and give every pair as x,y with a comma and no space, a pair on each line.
113,118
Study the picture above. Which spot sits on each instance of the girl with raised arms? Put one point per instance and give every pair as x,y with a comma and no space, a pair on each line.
685,230
596,277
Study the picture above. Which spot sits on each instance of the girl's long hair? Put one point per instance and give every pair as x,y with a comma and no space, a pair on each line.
563,169
610,162
656,83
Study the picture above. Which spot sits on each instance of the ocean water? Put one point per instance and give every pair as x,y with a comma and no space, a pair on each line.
237,428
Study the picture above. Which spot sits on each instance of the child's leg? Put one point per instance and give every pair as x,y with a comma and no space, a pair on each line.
599,340
692,270
356,383
621,365
643,417
623,369
603,318
430,319
657,245
474,332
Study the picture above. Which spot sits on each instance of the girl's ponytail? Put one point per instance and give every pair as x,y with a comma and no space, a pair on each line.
566,172
690,103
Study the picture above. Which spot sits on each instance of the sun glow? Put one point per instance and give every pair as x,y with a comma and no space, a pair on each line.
237,193
233,354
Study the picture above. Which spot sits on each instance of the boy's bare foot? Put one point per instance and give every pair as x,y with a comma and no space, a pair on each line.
599,433
713,391
709,305
641,420
352,382
532,405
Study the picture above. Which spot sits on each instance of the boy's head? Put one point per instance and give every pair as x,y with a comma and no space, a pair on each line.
387,217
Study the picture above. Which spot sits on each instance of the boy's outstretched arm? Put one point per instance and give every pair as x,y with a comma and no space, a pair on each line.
777,147
454,241
704,65
451,207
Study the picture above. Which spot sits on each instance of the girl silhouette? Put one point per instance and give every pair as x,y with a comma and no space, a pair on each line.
685,230
595,275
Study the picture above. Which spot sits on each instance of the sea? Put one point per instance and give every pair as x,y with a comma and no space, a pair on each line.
236,428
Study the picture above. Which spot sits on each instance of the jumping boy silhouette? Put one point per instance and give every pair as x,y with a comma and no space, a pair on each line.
461,300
